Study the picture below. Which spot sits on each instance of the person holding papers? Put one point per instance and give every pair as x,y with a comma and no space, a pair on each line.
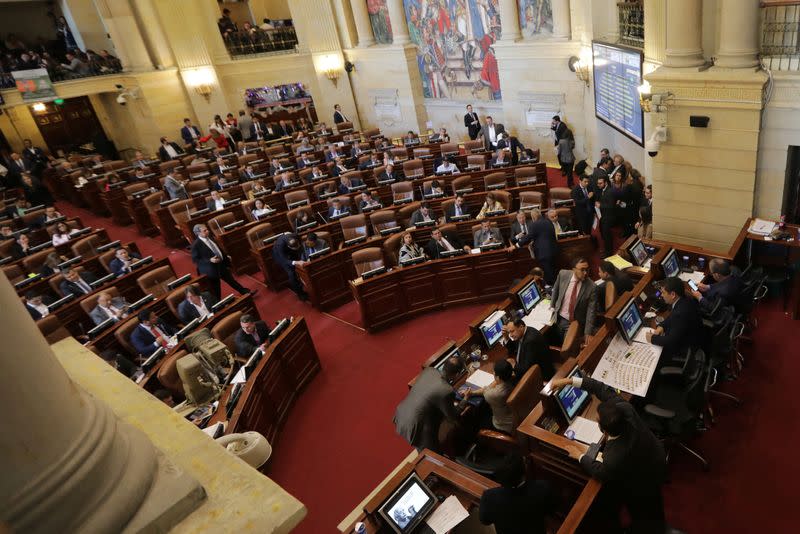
681,330
448,165
633,464
526,347
197,304
520,228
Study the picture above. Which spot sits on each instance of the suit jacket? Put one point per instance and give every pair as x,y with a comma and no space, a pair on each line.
71,288
417,216
283,255
331,210
35,314
516,229
543,235
419,415
681,328
586,305
144,341
338,117
246,343
622,283
598,172
632,462
384,176
472,129
433,249
338,171
201,257
728,290
519,510
99,315
607,204
529,351
117,266
211,205
175,189
186,134
584,206
450,212
560,131
318,245
285,130
498,129
164,155
479,237
262,130
187,312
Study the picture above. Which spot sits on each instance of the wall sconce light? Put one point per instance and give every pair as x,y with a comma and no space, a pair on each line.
580,65
202,81
39,107
331,66
652,102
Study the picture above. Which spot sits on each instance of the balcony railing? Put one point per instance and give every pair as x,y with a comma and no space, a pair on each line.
780,35
630,15
58,74
258,41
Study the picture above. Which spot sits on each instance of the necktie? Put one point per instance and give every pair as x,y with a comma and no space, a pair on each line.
256,337
524,229
458,210
84,286
157,334
573,299
213,247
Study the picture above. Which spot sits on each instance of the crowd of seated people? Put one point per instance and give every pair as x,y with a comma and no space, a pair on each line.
270,35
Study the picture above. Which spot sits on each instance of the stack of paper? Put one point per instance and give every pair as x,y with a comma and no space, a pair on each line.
629,368
761,227
449,514
619,262
694,276
480,379
586,431
540,316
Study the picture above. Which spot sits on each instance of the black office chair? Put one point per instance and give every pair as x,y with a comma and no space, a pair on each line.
722,355
676,408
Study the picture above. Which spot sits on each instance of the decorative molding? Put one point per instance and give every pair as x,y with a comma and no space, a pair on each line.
386,103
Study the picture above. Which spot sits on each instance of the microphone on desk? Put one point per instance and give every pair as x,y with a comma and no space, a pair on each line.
219,228
321,216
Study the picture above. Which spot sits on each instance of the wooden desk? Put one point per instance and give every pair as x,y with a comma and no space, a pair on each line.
138,213
443,476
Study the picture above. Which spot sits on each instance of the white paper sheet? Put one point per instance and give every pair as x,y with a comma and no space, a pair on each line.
641,335
761,227
626,367
449,514
694,276
586,430
480,379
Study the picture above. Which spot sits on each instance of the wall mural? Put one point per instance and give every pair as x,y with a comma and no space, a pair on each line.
454,41
379,19
536,18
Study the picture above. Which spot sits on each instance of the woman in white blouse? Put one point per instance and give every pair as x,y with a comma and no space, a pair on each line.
61,235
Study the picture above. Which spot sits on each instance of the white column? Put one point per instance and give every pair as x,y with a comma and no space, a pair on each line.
738,34
363,25
397,16
509,18
561,19
684,33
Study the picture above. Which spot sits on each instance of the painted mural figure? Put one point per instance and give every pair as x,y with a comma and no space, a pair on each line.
536,17
379,19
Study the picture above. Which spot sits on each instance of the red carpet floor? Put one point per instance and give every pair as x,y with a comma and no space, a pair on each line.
339,441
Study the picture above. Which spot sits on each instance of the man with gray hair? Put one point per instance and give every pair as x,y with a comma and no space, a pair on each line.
209,259
726,286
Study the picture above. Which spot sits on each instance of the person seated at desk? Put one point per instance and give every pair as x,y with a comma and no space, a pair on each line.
275,167
346,184
62,234
410,138
336,209
139,160
305,160
520,229
50,214
311,244
176,189
285,182
574,298
372,162
458,208
434,189
609,273
248,174
151,334
388,159
260,209
357,151
6,232
109,307
304,147
519,505
77,283
440,137
221,183
215,202
317,173
169,150
680,331
430,400
560,224
196,305
491,204
368,202
50,265
499,417
253,334
121,263
448,165
634,464
257,188
339,168
287,254
486,234
441,242
727,286
22,247
333,153
34,305
500,159
388,174
303,218
423,214
409,250
17,209
220,166
526,347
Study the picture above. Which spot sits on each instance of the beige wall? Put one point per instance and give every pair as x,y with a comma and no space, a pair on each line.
271,9
83,15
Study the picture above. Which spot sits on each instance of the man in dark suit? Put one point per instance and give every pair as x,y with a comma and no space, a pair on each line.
559,128
472,123
196,305
209,259
34,156
190,133
388,174
252,335
601,171
441,242
285,129
604,199
584,205
681,330
151,334
519,505
560,224
520,228
423,214
574,298
33,303
368,202
458,208
77,283
486,235
336,209
258,131
169,150
727,286
287,253
499,159
121,264
430,400
527,347
338,116
312,244
634,463
495,137
543,239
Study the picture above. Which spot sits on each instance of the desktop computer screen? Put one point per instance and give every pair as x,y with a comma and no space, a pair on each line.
492,328
408,506
630,321
529,296
638,253
570,399
670,264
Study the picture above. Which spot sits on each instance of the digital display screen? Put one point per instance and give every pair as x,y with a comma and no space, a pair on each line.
492,328
638,253
630,320
572,399
617,77
529,295
670,264
408,506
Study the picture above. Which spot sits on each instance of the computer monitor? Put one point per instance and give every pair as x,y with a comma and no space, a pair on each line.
438,364
670,264
529,296
492,328
407,507
571,400
629,320
638,252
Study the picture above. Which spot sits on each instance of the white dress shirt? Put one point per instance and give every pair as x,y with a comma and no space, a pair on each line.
213,246
170,151
564,311
492,135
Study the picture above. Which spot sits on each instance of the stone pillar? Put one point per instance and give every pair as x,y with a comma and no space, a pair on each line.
68,463
738,34
509,17
397,16
561,19
363,25
121,23
684,33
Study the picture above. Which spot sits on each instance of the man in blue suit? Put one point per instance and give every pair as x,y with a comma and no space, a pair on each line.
288,253
681,330
190,133
727,286
545,248
151,334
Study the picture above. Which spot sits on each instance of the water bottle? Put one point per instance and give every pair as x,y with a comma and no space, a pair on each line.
361,528
685,261
701,262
